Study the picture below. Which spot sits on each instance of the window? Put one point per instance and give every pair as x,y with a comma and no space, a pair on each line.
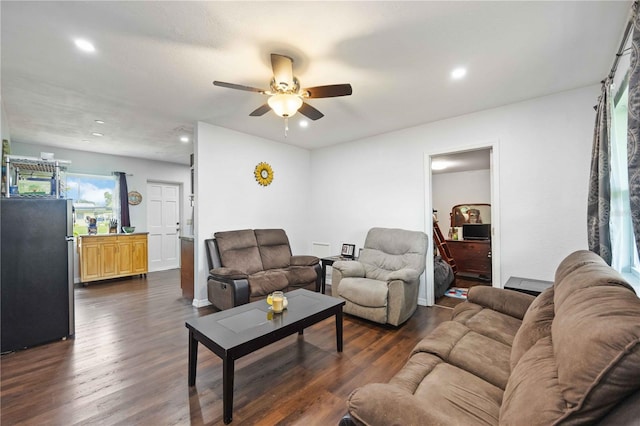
93,197
623,246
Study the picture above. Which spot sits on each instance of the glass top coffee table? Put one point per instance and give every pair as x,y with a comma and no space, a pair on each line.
236,332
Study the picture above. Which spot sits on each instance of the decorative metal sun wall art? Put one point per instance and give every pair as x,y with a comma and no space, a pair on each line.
264,174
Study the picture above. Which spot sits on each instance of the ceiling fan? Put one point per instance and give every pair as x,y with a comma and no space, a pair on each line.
286,97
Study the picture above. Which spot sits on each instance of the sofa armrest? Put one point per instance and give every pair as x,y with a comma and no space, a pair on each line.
509,302
406,275
385,404
349,268
304,260
226,274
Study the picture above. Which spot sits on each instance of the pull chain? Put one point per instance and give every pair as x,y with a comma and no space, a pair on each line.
286,126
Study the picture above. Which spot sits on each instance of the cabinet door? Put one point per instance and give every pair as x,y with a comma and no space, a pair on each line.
125,257
89,261
140,255
109,259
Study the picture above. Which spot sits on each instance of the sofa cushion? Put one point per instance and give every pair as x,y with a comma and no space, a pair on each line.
239,250
298,276
575,261
275,251
455,397
611,347
591,359
490,323
265,282
536,324
533,392
364,291
480,355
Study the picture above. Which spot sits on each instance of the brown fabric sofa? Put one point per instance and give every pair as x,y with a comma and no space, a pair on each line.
570,356
247,265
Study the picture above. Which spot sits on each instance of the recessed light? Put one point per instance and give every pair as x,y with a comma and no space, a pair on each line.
458,73
99,121
84,45
184,139
304,123
439,165
97,134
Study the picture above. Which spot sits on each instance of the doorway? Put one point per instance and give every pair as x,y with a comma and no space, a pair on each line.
470,176
163,223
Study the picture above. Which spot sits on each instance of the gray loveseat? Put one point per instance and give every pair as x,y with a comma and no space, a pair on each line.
247,265
570,356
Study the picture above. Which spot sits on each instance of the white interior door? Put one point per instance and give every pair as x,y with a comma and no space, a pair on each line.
163,223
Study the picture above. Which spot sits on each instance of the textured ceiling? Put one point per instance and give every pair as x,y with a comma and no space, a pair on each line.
150,78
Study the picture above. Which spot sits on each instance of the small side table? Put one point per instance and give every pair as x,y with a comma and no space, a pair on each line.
527,285
328,261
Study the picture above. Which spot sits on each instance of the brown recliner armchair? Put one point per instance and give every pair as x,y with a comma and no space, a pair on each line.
248,265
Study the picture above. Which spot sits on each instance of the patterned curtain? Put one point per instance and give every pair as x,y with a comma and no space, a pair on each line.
599,201
633,130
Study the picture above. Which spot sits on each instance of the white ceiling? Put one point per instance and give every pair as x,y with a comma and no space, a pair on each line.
150,78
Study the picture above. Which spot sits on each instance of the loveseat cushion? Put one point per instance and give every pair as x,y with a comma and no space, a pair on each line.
298,276
303,260
264,282
239,250
274,248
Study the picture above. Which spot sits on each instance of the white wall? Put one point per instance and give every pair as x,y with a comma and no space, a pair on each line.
228,196
544,145
4,123
103,164
450,189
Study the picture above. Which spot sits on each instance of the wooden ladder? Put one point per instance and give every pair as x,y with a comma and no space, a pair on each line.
443,249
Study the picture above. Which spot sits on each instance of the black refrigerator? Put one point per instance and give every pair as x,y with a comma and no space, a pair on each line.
36,291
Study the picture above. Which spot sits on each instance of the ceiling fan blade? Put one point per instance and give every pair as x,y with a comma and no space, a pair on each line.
330,91
237,86
262,110
282,69
310,112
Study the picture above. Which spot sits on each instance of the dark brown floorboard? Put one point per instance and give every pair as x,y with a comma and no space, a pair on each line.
128,365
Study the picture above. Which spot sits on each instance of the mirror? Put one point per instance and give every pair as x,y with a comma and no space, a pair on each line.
470,213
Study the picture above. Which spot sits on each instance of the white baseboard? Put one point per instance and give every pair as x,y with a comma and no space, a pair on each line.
199,303
422,301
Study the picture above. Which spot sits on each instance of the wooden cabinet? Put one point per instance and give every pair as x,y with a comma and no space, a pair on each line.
112,256
472,256
186,267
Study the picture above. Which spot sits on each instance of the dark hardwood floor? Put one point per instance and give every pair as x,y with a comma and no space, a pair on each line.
128,365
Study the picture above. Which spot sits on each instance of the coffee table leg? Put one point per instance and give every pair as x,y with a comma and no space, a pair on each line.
193,358
227,389
339,329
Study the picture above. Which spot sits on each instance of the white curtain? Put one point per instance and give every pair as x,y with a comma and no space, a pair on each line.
620,227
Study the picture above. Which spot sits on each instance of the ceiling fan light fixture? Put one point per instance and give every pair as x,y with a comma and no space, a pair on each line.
285,104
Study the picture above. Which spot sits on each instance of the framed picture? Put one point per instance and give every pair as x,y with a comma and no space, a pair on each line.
348,250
